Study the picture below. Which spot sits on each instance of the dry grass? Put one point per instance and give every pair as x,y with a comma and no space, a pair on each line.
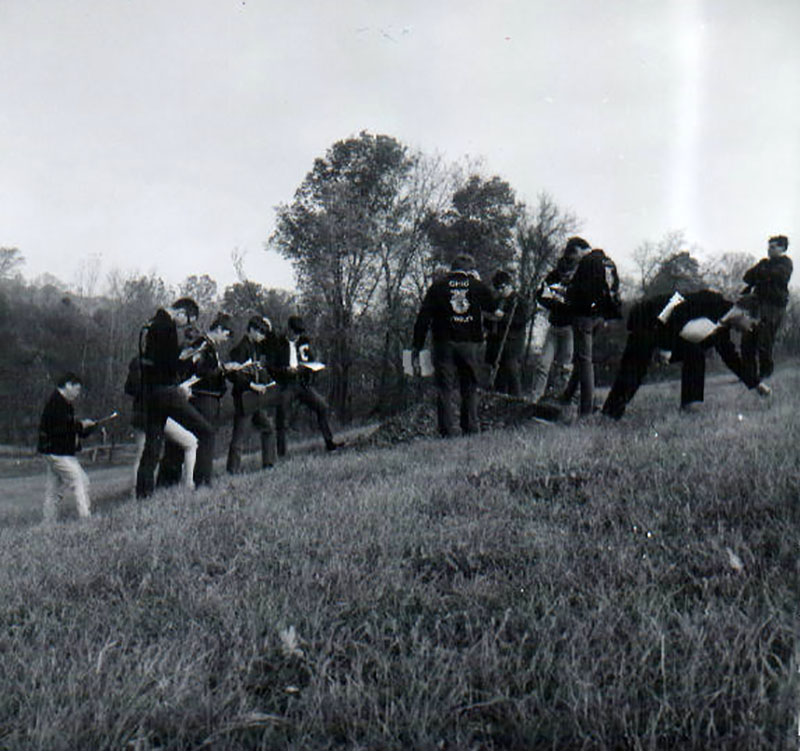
602,586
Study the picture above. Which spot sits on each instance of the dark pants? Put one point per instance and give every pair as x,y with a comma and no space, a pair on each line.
161,403
757,345
507,380
584,329
461,361
636,359
250,413
289,392
171,467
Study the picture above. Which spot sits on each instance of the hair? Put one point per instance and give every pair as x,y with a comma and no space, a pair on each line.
187,305
295,323
222,321
462,262
68,377
500,278
575,244
259,323
781,240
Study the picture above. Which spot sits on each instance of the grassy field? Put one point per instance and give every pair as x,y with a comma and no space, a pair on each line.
626,585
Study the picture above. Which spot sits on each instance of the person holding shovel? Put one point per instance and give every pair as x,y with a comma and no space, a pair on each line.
505,339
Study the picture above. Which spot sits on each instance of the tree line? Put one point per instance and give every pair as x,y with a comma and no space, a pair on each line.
365,232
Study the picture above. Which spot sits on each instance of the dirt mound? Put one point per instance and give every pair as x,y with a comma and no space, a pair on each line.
494,411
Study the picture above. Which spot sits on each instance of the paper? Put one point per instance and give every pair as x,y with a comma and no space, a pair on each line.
313,365
425,362
697,330
191,381
673,302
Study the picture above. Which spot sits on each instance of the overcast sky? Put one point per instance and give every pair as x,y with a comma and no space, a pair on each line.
159,135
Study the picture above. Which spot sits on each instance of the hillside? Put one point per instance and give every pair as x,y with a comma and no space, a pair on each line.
597,586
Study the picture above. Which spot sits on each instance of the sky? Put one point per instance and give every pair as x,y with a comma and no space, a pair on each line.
158,136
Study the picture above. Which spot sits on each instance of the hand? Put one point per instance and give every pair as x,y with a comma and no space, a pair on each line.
663,356
415,366
87,423
259,388
763,389
185,390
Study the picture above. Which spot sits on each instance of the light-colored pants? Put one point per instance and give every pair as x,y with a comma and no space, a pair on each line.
65,472
176,433
557,348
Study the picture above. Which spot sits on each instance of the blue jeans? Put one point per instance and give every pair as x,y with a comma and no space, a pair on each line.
584,329
557,348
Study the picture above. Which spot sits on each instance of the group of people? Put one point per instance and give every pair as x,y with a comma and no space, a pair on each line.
577,296
479,333
177,382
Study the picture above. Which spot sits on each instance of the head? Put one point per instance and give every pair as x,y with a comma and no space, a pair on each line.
221,328
577,246
462,262
777,246
69,386
258,327
295,326
183,311
503,283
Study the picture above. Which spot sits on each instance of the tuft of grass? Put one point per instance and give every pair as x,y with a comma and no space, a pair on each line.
624,585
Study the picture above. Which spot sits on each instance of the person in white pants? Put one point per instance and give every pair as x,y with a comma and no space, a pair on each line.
59,440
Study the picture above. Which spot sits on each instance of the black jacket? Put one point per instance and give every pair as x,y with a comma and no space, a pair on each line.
586,290
280,356
259,353
59,431
160,351
769,280
453,308
552,294
702,304
203,361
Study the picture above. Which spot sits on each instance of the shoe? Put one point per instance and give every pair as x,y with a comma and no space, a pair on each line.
333,445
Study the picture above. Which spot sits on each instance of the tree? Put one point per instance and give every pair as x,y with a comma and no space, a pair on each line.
10,260
203,290
244,299
679,272
480,221
334,234
725,272
650,255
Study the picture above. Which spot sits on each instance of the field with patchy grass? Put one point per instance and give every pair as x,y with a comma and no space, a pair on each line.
626,585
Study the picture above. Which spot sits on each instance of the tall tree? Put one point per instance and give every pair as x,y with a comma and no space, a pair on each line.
725,272
679,272
333,233
650,255
481,221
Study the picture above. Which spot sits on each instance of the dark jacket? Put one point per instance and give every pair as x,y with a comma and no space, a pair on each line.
280,356
160,351
702,304
202,360
552,293
769,280
453,308
587,289
515,341
59,431
245,350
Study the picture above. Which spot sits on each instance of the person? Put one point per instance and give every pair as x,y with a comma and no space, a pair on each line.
292,365
163,396
200,361
184,440
768,280
557,347
59,440
681,328
453,309
505,339
250,383
591,297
